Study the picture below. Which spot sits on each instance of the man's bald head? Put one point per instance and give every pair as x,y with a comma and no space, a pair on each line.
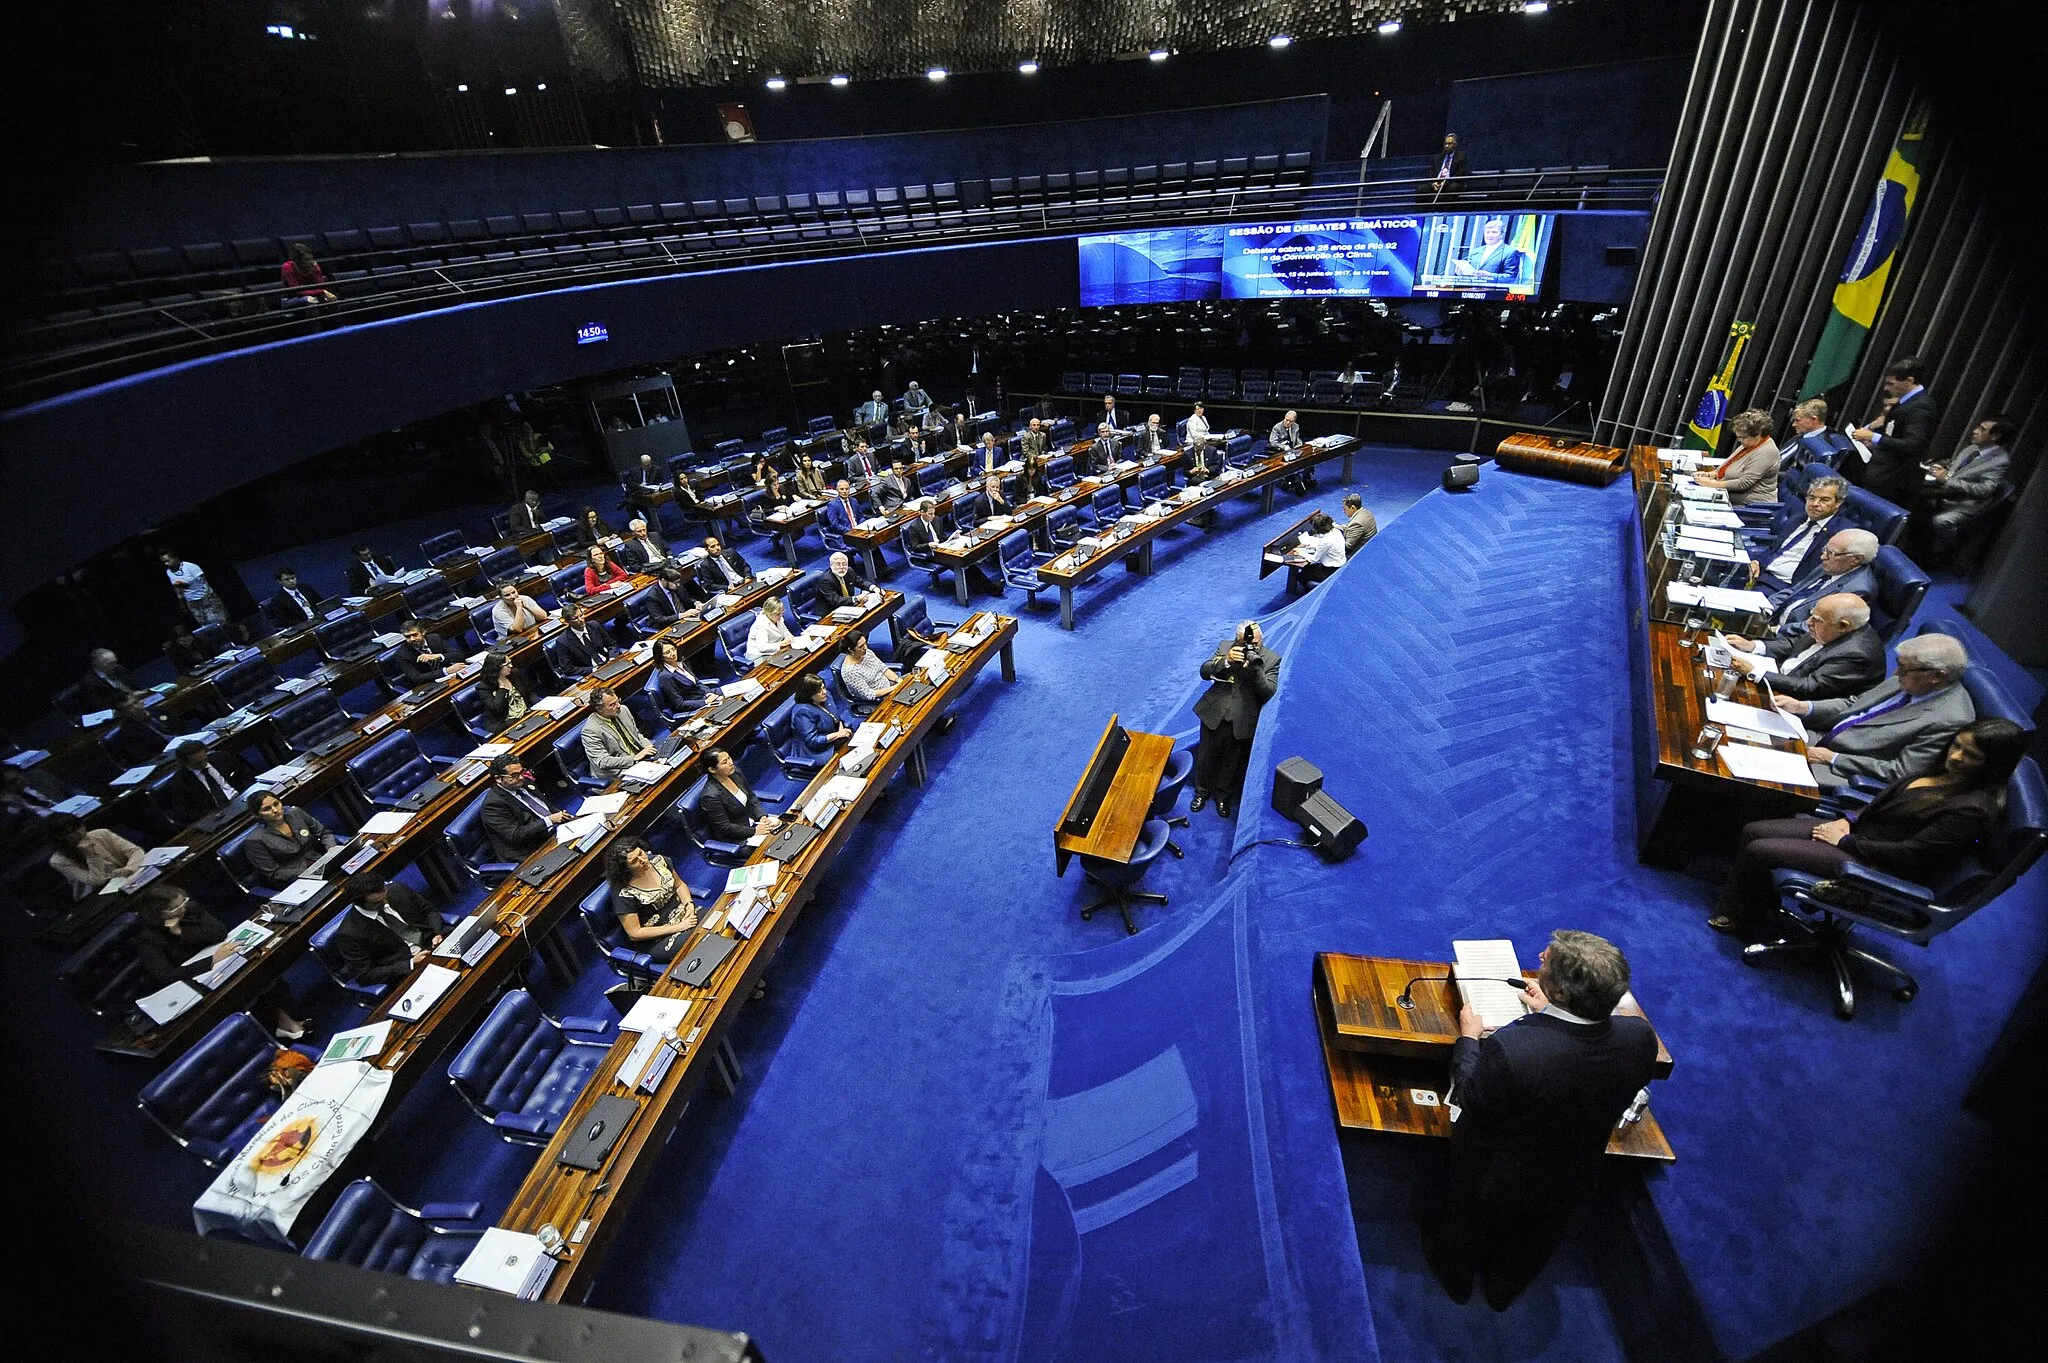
1836,615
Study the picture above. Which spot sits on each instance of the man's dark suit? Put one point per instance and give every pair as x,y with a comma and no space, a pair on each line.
574,655
1153,441
359,583
1536,1101
1229,711
1790,607
371,950
187,798
891,493
635,554
135,743
416,673
713,581
513,828
834,591
1894,469
919,535
283,612
103,690
525,518
1852,663
660,607
1809,558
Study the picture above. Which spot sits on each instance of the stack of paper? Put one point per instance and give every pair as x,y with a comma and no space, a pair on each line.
603,804
580,827
556,706
1479,968
1702,514
426,991
507,1261
358,1043
1747,762
385,822
168,1003
1738,715
757,873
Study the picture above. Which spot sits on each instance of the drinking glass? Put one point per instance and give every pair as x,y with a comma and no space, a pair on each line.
1704,743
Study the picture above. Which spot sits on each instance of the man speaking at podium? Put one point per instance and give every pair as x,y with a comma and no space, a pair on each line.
1532,1105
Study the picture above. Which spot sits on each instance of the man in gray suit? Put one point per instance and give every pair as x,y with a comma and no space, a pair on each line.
1968,483
1898,728
612,740
1838,653
1242,674
1844,567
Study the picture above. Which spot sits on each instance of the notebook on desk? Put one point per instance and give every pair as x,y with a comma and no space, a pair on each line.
791,841
705,957
598,1132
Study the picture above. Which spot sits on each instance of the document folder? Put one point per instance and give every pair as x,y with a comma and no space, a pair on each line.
598,1132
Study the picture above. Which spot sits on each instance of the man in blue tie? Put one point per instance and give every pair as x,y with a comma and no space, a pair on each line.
1899,728
1796,552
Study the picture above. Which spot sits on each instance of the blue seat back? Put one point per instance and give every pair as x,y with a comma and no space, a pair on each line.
566,583
367,1228
1900,587
430,597
449,544
1059,470
1014,552
507,1057
969,511
1063,525
469,709
346,636
309,720
732,637
480,622
245,681
1867,511
390,767
1155,483
500,565
215,1095
1238,449
1108,503
104,974
568,750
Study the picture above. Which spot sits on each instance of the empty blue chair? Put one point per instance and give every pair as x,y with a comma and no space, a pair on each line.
1867,511
1180,766
214,1097
732,643
481,624
1059,471
369,1228
391,768
1020,563
104,973
1900,587
245,681
444,548
1120,878
799,602
523,1070
347,637
1064,527
310,720
1239,449
1108,505
568,750
430,598
471,844
1155,483
912,618
469,713
500,565
566,583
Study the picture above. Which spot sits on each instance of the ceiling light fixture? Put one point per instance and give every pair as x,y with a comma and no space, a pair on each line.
1278,40
1158,54
1027,68
935,73
776,83
1391,26
511,89
1536,7
837,80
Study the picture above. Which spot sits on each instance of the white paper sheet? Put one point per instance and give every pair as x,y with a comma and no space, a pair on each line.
1750,717
1749,763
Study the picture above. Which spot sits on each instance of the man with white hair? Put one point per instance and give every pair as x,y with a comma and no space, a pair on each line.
644,549
1897,729
873,412
1844,567
841,585
1837,654
915,399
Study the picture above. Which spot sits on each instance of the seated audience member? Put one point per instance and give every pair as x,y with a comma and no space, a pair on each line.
591,528
388,932
652,903
294,607
516,817
1837,654
873,412
989,457
671,596
498,691
1812,442
370,572
644,549
722,569
88,858
769,480
767,635
1750,475
957,433
1534,1103
204,783
1360,524
1152,439
175,929
1105,450
923,531
815,727
515,614
579,647
526,514
1316,554
892,489
105,682
422,658
303,272
732,812
674,688
600,573
915,399
1898,728
1844,567
863,673
1967,484
1035,481
185,651
137,739
1919,828
841,512
859,461
284,842
841,585
992,488
1796,553
611,737
810,479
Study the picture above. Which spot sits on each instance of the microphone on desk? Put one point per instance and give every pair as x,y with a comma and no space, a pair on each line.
1407,998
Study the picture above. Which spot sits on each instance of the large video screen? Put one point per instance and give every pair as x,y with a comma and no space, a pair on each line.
1436,255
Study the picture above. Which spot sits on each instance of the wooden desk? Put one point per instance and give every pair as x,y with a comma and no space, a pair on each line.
1389,1067
1125,805
589,1207
1274,554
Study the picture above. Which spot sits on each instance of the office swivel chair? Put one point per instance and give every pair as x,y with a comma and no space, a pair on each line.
1119,877
1180,765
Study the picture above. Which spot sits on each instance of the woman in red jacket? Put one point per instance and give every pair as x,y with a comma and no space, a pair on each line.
599,571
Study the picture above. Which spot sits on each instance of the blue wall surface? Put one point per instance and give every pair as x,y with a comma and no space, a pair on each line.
1622,114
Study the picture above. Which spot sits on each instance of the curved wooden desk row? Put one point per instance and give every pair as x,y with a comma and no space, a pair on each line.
459,784
588,1206
1575,461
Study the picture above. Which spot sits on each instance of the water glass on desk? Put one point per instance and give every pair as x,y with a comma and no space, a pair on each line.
1704,743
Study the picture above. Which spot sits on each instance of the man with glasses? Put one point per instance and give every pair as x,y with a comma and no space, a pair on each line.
1844,567
1899,728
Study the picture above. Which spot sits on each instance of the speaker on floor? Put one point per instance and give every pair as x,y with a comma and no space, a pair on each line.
1459,477
1333,830
1293,782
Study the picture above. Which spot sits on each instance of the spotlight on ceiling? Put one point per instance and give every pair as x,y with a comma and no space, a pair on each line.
776,83
1278,40
1158,54
1391,26
1536,7
511,89
462,89
837,80
1027,68
542,86
935,73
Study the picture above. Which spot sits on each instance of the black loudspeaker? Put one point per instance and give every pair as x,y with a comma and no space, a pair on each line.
1458,477
1293,782
1621,257
1334,830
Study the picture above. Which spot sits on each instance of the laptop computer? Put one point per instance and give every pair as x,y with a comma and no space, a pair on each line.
539,871
791,841
597,1132
615,667
705,957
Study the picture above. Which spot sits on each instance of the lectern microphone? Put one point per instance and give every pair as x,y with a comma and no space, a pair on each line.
1407,998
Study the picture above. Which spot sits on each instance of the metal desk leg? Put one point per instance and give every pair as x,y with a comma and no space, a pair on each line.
1266,499
874,563
1066,605
1010,661
725,1068
1145,559
1347,464
960,583
914,766
789,546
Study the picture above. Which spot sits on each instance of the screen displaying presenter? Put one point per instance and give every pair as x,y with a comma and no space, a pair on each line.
1483,253
1495,260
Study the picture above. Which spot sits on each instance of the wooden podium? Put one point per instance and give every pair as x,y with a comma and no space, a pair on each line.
1390,1066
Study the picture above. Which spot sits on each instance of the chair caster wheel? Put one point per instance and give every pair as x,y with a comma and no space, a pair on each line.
1752,956
1905,992
1087,914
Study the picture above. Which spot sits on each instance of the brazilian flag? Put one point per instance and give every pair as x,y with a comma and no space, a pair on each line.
1869,268
1703,432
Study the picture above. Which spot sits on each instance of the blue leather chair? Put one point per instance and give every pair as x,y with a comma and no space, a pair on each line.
430,597
391,768
213,1098
1059,471
1155,483
920,556
1902,909
1108,505
523,1070
245,681
1180,766
568,750
800,602
324,951
369,1228
234,859
732,643
715,851
1867,511
481,624
1986,692
914,618
469,713
104,973
310,720
1019,562
1239,449
780,731
444,548
968,512
1900,587
347,637
566,584
500,565
472,845
1120,878
1063,527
